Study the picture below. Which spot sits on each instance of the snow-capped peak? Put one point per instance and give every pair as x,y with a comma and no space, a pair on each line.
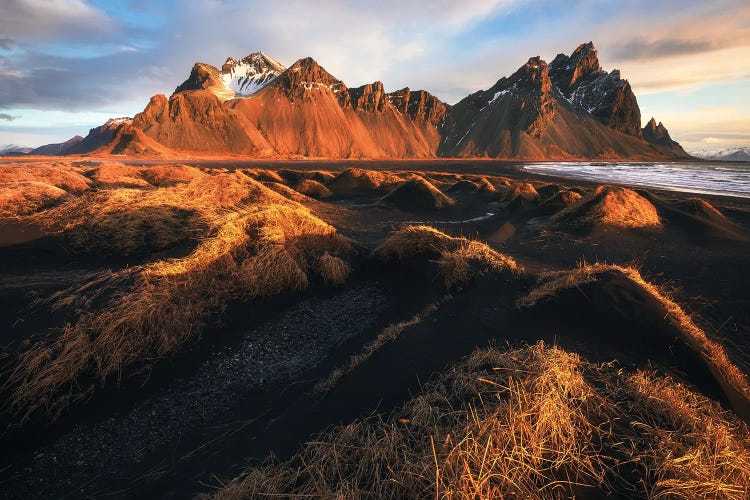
726,154
248,75
118,121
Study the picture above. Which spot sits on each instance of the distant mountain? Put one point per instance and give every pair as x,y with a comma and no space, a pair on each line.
571,109
723,154
57,149
658,136
13,150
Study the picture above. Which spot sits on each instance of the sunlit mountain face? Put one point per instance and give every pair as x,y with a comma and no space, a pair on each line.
476,249
64,64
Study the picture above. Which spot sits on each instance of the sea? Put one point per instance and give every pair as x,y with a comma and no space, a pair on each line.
719,178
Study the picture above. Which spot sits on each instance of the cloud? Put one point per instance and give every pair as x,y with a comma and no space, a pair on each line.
57,20
644,49
72,55
357,41
689,72
7,43
7,117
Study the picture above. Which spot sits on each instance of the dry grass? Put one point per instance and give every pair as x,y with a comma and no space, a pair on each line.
123,221
360,181
257,243
24,198
485,185
314,189
728,374
286,191
522,190
333,269
27,188
388,334
459,258
112,175
169,175
569,198
701,208
60,175
417,194
689,447
534,422
264,175
612,206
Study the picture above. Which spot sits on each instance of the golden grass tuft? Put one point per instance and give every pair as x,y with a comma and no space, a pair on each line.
700,208
113,175
127,221
533,422
690,447
285,191
60,175
257,243
314,189
459,258
612,206
333,269
417,193
727,373
26,188
359,181
24,198
521,190
264,175
485,185
169,175
569,198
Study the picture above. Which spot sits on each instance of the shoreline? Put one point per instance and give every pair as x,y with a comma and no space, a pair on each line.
475,166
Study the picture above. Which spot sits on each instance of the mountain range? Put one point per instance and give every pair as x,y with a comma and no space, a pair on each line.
254,106
723,154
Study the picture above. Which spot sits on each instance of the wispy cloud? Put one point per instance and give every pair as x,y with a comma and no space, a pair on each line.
645,49
7,117
78,55
7,43
58,20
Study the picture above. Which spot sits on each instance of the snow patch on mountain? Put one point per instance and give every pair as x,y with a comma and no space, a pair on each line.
248,75
723,154
9,149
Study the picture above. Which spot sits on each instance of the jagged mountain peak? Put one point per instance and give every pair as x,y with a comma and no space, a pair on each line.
248,75
581,81
205,77
419,105
654,126
654,132
305,77
535,72
657,135
570,108
259,60
568,72
531,78
369,97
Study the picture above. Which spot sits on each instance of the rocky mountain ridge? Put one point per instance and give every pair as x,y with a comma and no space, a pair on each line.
569,109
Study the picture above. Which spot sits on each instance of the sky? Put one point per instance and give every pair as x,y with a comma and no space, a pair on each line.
68,65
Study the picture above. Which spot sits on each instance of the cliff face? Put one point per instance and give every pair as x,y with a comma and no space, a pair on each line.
420,105
610,99
658,136
569,109
526,116
498,121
